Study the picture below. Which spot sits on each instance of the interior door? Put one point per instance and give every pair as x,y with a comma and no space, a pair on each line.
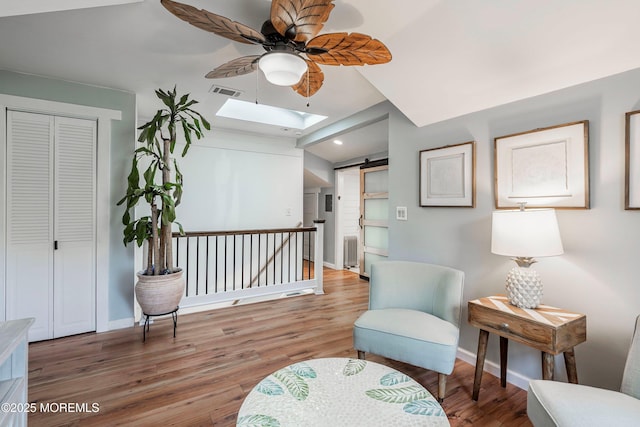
74,226
50,269
29,268
374,216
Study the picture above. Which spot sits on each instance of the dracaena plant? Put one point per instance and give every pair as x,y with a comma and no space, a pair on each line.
156,179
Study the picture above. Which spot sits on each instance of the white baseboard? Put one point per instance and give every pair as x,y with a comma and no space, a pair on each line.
514,378
329,265
120,324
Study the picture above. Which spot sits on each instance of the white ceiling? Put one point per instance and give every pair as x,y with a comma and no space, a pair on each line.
450,57
25,7
371,139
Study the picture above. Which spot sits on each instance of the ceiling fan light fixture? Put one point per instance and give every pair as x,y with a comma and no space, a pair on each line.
282,68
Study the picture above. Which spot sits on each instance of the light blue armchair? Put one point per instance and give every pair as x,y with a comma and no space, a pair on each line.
552,403
413,316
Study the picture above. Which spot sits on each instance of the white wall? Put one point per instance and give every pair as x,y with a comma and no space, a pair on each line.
597,273
323,169
236,180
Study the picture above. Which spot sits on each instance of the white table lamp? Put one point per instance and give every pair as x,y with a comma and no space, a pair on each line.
524,235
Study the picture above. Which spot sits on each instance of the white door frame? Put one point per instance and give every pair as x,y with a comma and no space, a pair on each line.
103,202
339,235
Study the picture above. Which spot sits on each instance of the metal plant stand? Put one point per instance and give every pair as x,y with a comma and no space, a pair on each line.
145,328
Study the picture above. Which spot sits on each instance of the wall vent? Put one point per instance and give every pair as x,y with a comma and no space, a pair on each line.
221,90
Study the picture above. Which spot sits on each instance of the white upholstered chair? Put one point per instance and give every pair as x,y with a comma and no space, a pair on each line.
552,403
413,316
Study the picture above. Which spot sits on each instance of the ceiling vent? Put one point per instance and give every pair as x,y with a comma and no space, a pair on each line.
221,90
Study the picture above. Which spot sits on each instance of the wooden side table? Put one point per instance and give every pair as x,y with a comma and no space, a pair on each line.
549,329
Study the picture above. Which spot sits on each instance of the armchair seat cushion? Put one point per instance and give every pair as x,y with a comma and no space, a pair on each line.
552,403
410,336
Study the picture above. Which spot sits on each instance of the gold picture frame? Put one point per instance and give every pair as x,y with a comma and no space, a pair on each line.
447,176
547,167
632,161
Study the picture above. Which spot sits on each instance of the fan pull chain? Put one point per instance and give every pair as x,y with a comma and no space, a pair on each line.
308,86
257,79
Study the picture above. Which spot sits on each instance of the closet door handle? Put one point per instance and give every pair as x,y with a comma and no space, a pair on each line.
55,245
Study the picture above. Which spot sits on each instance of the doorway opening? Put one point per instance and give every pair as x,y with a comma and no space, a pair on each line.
347,219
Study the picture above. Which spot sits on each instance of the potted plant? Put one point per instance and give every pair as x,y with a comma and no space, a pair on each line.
160,285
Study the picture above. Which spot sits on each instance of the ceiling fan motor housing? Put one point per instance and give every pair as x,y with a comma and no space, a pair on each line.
276,41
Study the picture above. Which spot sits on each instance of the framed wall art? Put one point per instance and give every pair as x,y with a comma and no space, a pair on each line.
632,161
447,176
546,167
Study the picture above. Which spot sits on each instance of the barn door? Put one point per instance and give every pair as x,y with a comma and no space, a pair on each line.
374,216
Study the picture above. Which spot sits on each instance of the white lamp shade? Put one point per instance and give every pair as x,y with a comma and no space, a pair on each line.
526,233
282,68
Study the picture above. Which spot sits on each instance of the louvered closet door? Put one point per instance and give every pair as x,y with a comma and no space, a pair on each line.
51,204
29,273
74,226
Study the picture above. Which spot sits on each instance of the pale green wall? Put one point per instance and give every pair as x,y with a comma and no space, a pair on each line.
123,135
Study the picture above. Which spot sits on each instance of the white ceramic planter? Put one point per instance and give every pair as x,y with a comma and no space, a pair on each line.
159,294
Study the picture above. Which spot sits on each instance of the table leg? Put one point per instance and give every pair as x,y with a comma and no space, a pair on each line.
482,352
547,366
504,347
570,363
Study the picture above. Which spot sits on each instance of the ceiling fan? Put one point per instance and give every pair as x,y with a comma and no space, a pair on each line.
291,30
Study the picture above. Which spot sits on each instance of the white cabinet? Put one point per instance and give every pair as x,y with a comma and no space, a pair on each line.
51,216
14,361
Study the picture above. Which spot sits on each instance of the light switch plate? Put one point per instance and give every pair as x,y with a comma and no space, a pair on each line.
401,213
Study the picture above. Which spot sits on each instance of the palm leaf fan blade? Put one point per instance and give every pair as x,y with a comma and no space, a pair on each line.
236,67
311,81
347,49
213,23
300,20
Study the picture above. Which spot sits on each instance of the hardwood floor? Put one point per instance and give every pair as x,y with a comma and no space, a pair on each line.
201,377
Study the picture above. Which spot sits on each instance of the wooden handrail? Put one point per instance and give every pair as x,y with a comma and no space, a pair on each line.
241,232
224,258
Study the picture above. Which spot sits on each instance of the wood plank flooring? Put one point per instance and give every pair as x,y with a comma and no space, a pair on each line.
201,377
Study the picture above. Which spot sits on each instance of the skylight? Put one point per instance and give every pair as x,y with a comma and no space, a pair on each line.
266,114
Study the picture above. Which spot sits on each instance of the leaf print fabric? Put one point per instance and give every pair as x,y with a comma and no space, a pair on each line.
258,421
354,367
303,370
424,407
393,378
270,388
340,392
398,395
296,385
